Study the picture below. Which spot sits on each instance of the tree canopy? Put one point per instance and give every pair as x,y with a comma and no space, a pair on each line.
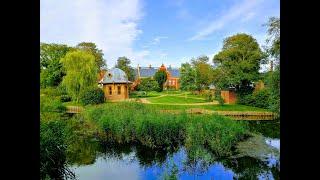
97,53
203,72
50,67
187,77
161,77
238,62
81,73
123,63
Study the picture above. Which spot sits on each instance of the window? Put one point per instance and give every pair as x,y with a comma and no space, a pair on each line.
119,89
110,91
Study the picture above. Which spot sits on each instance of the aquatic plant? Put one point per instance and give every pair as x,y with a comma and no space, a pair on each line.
135,122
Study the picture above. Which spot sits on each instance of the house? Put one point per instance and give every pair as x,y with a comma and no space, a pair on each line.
115,84
173,75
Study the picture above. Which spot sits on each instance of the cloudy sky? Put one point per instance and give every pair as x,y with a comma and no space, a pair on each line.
154,32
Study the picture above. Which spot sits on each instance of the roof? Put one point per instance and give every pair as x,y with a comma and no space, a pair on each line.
151,71
147,71
115,75
174,72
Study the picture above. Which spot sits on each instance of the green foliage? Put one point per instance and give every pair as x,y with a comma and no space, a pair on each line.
134,94
50,66
161,77
81,73
123,63
203,72
274,37
219,133
148,126
148,84
274,86
187,77
238,62
259,99
51,104
52,151
92,96
97,53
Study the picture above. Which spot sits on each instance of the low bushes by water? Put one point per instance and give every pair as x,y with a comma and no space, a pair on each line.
134,122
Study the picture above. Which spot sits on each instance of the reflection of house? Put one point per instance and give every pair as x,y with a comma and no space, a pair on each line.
173,75
115,84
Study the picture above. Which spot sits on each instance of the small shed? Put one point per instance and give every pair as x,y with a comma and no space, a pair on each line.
115,84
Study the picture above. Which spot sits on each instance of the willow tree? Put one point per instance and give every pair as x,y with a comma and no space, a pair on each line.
81,72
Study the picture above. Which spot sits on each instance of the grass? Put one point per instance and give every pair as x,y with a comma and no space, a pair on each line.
226,107
135,122
175,99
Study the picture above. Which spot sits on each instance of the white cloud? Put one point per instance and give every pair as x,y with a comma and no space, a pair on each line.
111,24
157,39
242,9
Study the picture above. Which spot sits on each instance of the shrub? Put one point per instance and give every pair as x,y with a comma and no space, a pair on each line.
92,96
218,97
257,99
146,125
52,151
65,98
148,84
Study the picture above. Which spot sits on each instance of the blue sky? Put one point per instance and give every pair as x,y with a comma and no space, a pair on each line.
154,32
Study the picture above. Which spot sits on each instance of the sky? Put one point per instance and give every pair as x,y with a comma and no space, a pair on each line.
152,32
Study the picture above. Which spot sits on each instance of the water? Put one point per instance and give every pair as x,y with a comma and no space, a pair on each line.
94,160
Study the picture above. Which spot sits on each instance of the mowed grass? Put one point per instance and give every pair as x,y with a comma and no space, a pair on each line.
175,100
226,107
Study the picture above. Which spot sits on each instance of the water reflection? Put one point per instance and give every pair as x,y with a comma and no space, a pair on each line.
134,161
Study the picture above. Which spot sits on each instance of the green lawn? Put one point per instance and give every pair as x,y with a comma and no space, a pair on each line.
226,107
175,99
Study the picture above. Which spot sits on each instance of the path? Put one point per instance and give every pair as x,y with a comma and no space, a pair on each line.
146,101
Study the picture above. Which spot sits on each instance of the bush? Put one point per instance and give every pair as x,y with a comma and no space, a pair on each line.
208,96
218,97
257,99
92,96
65,98
148,84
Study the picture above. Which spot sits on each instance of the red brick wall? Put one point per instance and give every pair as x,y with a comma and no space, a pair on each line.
229,96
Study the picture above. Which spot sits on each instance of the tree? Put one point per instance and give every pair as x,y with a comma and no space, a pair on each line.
273,51
148,84
50,67
97,53
203,71
239,61
187,77
81,73
123,63
161,77
274,37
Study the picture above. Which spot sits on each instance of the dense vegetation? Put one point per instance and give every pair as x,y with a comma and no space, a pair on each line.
146,125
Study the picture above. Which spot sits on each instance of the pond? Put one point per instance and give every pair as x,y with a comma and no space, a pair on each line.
256,158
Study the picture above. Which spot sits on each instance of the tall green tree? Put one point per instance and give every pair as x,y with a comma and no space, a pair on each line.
187,77
123,63
273,51
97,53
161,77
239,61
81,73
203,71
50,67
